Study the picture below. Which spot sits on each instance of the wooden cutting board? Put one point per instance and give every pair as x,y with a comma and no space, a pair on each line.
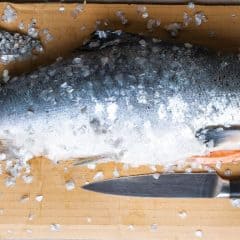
86,215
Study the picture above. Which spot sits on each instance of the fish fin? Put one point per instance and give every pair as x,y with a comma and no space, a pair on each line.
90,159
107,38
219,135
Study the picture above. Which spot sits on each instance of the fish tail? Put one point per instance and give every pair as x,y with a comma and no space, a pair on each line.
91,159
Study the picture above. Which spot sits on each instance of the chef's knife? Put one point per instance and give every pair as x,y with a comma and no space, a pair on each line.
174,185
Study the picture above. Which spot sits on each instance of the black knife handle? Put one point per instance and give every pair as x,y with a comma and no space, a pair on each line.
235,188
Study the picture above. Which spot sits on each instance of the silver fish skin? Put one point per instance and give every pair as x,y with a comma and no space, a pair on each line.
137,99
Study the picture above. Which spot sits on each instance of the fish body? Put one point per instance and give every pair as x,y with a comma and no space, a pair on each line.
123,97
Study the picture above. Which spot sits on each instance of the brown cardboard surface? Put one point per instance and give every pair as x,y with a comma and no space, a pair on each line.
85,215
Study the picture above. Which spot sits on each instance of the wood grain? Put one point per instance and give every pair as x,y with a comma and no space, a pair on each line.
87,215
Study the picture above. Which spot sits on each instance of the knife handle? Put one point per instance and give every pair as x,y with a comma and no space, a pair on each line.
235,188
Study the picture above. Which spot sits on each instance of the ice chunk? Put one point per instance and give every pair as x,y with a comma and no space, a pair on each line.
191,5
199,233
77,10
153,23
182,214
10,181
39,198
27,178
235,202
70,185
116,173
122,17
186,19
9,14
200,18
61,9
156,176
98,176
32,30
5,76
15,46
21,25
142,11
173,28
228,172
154,227
55,227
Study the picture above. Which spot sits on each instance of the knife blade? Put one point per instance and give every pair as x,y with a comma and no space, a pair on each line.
174,185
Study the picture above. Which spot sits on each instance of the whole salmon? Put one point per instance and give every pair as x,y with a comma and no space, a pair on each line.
123,97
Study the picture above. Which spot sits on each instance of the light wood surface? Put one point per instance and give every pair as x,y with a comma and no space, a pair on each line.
87,215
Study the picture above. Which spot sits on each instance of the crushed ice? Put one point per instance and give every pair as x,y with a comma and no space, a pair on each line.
9,14
16,46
